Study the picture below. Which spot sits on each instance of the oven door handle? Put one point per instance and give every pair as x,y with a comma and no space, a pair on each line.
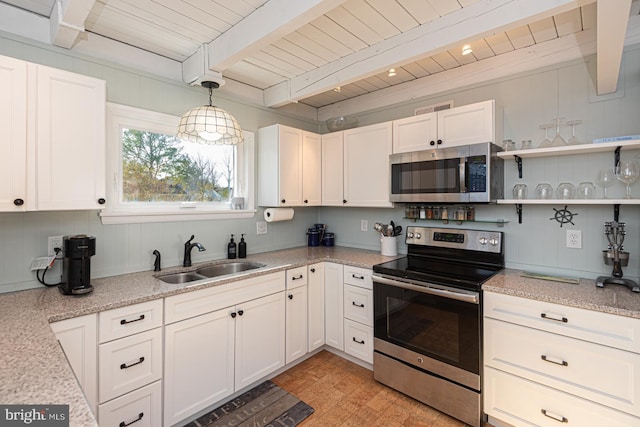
458,296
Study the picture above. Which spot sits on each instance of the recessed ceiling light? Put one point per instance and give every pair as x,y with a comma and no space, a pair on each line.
338,89
466,49
392,72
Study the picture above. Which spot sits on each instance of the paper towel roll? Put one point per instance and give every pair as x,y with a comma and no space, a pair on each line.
278,214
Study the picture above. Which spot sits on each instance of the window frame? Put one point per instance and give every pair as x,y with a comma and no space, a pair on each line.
118,212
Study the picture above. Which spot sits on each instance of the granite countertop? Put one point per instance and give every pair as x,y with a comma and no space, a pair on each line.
612,299
33,368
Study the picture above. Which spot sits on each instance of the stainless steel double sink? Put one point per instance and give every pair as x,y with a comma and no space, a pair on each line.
208,272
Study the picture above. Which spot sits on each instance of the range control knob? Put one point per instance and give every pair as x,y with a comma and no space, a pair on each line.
483,240
494,241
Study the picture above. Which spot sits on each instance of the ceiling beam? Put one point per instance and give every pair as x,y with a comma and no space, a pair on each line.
67,21
267,24
476,21
22,23
612,19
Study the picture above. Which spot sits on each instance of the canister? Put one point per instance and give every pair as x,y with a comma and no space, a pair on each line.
313,237
328,239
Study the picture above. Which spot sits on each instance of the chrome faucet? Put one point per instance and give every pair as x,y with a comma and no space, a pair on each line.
187,251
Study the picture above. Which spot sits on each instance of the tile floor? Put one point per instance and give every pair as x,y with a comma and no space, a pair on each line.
345,394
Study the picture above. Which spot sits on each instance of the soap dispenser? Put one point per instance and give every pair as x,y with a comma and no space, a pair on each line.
242,248
231,249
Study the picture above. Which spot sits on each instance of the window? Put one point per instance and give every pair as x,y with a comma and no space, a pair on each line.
156,177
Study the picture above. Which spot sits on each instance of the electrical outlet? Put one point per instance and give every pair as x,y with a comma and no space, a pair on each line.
574,239
364,225
261,227
54,242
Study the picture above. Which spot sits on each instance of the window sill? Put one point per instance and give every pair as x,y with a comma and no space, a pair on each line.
123,217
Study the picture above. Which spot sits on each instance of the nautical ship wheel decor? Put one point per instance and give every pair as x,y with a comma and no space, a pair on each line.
563,216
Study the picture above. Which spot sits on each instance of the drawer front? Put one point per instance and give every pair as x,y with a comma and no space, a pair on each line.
599,373
520,402
358,277
296,277
191,304
358,340
124,321
602,328
358,304
129,363
140,408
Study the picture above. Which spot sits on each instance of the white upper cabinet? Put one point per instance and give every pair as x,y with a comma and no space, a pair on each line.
70,140
53,132
464,125
289,167
13,134
366,165
333,169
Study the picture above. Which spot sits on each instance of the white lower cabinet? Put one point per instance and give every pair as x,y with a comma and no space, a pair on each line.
296,314
213,350
358,313
358,340
79,341
140,408
333,305
546,363
315,306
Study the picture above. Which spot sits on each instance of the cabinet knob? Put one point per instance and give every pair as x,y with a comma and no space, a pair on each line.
432,143
101,201
439,141
313,270
290,296
18,202
306,201
233,315
240,312
283,201
344,201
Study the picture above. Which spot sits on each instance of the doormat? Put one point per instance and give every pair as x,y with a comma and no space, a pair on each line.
264,405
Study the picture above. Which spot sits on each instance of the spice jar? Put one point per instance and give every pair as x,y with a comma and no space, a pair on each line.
429,212
444,213
471,213
436,212
423,212
462,214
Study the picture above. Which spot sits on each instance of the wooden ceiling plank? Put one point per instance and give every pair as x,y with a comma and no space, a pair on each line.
239,7
470,23
352,90
371,18
40,7
67,21
521,37
421,10
272,21
612,19
445,7
588,16
499,43
306,43
335,31
416,70
481,49
274,64
430,65
320,37
302,53
456,53
445,60
253,75
543,30
568,22
365,85
283,55
355,25
398,16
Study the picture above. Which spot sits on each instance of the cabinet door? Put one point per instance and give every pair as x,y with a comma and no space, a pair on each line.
79,340
199,364
332,169
415,133
315,299
311,169
333,306
296,338
467,124
366,165
70,142
13,134
290,166
260,338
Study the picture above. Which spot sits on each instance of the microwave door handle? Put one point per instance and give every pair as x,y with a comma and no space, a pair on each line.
463,174
458,296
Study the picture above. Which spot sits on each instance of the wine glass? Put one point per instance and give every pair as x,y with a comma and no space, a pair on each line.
545,142
573,140
558,140
627,173
605,179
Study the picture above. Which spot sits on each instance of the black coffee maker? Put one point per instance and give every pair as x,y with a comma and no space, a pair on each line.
76,266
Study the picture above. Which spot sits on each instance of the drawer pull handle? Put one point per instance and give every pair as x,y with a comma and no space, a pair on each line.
561,362
554,416
140,415
125,366
357,277
125,321
358,341
557,319
300,276
357,305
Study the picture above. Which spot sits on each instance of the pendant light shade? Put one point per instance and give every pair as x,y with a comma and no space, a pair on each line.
209,124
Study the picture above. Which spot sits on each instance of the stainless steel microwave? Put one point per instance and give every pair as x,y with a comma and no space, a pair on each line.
464,174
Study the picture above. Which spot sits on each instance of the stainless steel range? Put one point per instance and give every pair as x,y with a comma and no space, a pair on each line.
428,317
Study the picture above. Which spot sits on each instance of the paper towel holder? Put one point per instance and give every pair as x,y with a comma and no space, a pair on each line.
278,214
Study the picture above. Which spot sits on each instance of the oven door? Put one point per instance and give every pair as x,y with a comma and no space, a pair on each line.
433,328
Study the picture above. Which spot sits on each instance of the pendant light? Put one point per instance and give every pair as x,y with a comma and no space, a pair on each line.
209,124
